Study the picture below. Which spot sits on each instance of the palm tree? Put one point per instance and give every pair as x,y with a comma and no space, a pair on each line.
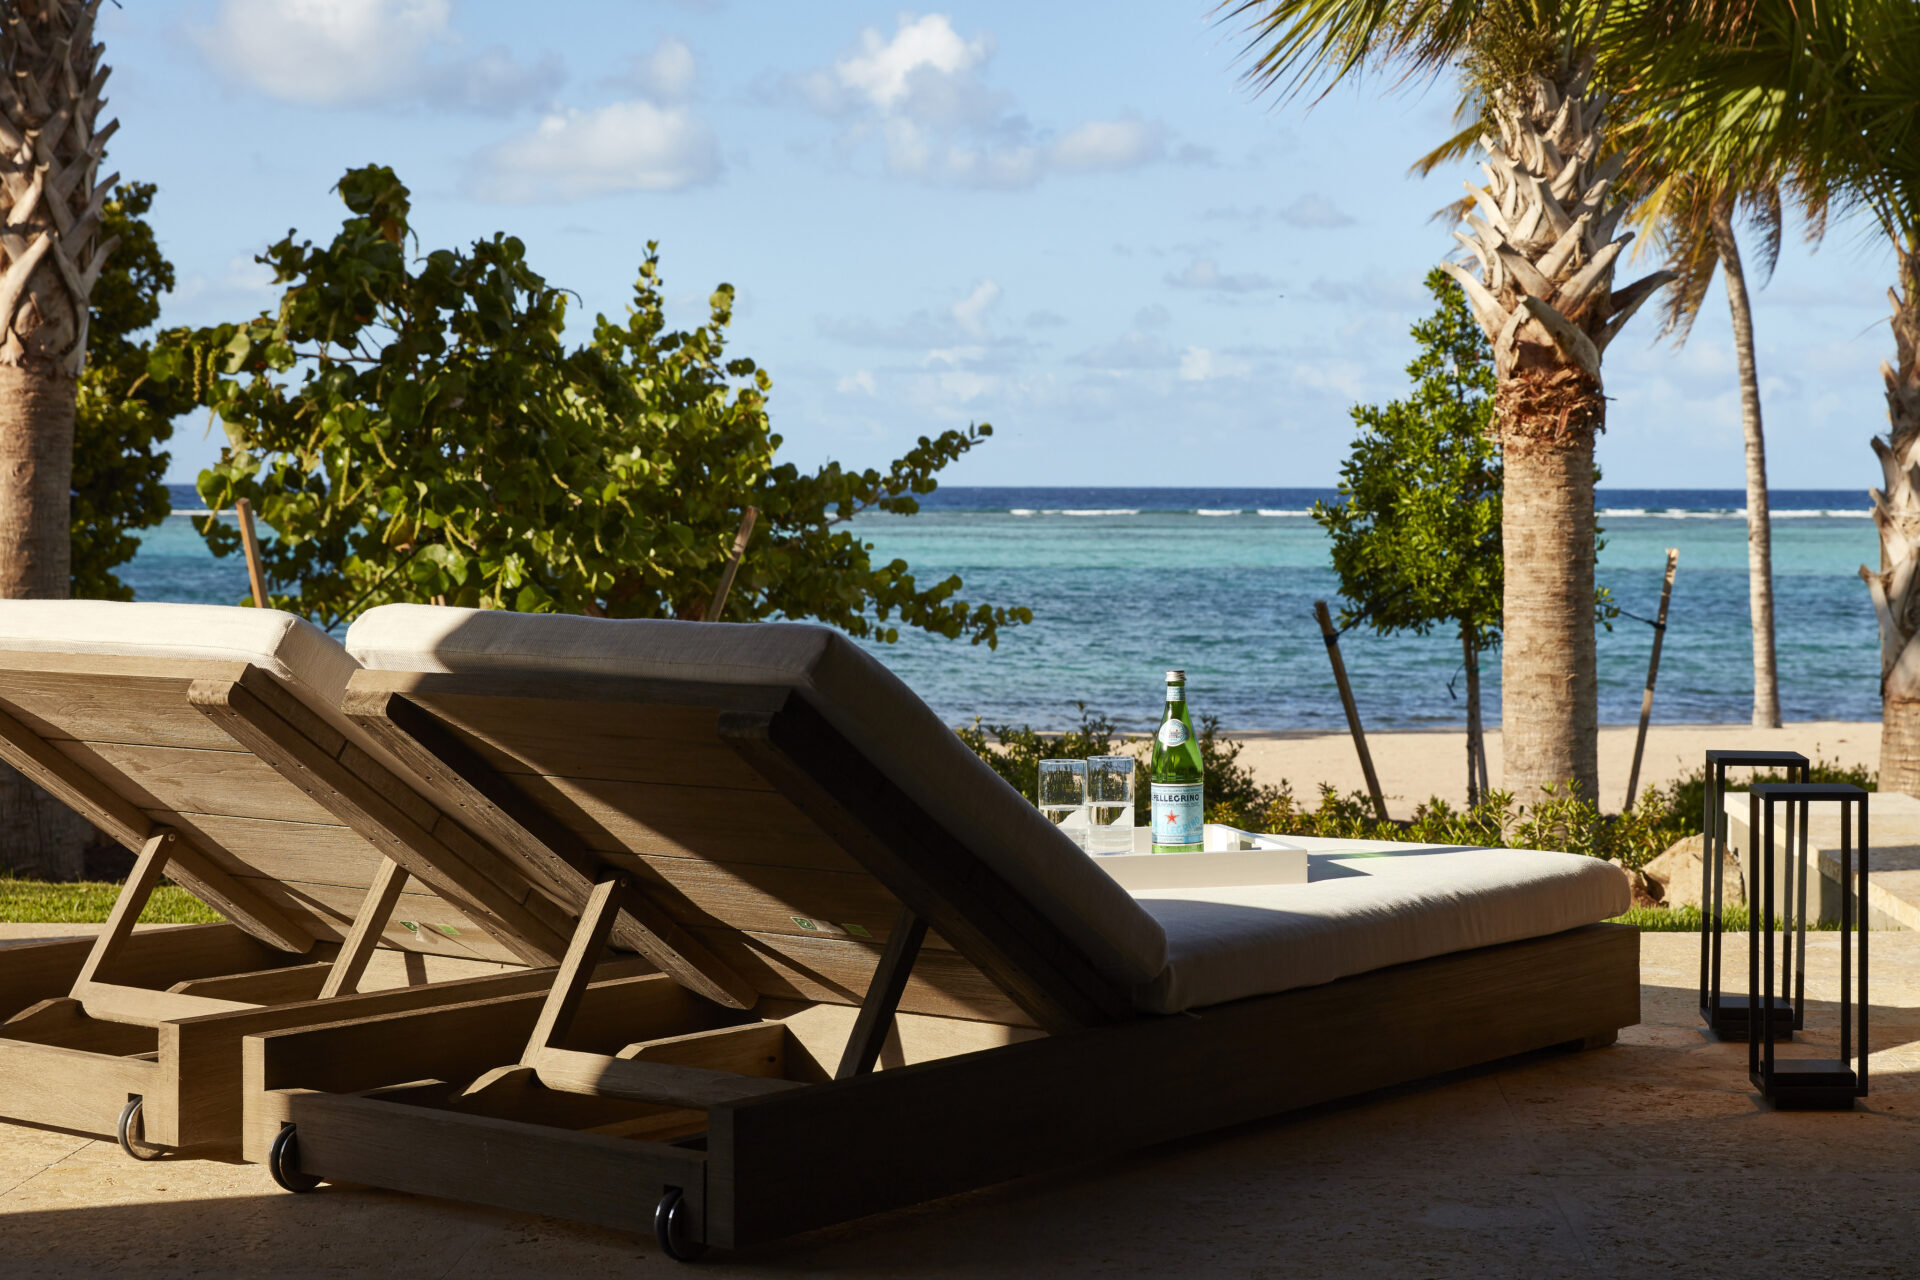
1693,225
51,253
50,256
1542,231
1828,95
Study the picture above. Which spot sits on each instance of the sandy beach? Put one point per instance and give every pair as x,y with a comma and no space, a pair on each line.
1414,766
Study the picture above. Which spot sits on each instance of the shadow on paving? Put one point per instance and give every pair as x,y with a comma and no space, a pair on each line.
1644,1158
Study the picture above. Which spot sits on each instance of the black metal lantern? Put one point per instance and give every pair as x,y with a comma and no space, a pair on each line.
1826,1084
1729,1017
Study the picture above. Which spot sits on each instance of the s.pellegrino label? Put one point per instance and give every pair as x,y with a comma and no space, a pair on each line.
1175,782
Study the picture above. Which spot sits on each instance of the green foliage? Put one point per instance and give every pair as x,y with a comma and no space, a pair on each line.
121,417
1564,821
1688,795
1416,533
416,428
1015,752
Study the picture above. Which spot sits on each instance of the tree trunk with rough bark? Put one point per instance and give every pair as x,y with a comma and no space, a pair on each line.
1896,514
1542,231
1766,671
1549,685
51,253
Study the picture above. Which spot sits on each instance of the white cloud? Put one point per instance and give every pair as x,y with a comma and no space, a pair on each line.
860,382
954,357
923,50
1131,352
1314,212
666,73
574,155
921,94
1205,273
967,312
1199,364
1107,145
331,53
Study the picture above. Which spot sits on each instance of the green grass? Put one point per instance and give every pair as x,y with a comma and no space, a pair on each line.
1687,920
89,901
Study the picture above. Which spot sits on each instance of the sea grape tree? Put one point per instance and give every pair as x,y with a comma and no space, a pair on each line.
416,427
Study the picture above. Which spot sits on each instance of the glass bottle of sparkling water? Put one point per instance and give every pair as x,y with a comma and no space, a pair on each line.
1176,778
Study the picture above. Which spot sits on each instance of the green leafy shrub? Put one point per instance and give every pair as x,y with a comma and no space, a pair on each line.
1689,793
1565,821
1234,796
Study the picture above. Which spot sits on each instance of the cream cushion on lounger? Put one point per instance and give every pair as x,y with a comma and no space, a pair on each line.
292,649
1172,950
857,695
1365,911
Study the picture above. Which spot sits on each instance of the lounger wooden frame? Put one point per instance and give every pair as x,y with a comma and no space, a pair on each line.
88,1027
606,1101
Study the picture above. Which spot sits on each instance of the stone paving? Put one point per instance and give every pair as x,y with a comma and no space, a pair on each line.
1649,1158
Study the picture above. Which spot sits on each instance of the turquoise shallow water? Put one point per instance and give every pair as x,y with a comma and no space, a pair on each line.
1124,583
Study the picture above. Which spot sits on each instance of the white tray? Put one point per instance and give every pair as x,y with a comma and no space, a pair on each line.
1231,858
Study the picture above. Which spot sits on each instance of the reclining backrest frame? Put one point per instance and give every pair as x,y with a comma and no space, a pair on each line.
447,727
73,723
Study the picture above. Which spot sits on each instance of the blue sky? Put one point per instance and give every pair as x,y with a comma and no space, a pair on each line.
1071,221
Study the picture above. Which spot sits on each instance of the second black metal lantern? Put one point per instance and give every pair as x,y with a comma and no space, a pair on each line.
1827,1084
1729,1015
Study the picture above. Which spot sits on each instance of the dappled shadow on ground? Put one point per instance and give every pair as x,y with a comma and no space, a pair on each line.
1650,1157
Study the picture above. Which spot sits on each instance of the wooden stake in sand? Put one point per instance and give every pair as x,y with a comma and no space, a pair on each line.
719,600
1653,672
250,544
1332,638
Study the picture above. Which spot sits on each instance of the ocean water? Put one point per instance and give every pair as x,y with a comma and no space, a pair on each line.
1124,583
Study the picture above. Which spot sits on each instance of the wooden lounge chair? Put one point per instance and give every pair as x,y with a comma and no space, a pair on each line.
208,741
831,883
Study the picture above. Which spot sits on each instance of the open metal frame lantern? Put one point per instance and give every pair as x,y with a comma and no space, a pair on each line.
1729,1017
1826,1084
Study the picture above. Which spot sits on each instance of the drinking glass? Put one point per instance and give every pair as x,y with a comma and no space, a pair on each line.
1110,804
1063,796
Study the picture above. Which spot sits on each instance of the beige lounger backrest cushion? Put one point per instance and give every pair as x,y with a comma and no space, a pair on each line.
106,682
291,648
858,695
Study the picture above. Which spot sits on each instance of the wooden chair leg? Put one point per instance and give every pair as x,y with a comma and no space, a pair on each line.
127,907
370,922
883,995
583,952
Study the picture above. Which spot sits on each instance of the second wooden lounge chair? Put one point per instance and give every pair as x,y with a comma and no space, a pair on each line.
885,977
208,741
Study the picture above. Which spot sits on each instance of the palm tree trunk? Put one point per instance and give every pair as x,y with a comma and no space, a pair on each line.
51,253
1766,671
1896,513
36,473
1542,231
1549,688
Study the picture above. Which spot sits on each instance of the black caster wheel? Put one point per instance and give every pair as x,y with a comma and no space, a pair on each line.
670,1219
283,1162
132,1132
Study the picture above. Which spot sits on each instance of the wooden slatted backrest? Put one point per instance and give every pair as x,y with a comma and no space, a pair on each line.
744,818
132,743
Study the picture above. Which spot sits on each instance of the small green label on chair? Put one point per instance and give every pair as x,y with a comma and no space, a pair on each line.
805,923
856,930
410,926
448,929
